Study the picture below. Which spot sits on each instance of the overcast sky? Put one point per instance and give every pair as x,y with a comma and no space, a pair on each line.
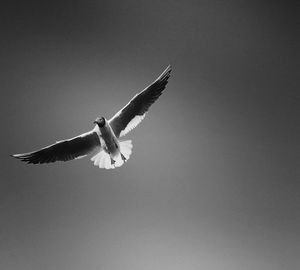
212,182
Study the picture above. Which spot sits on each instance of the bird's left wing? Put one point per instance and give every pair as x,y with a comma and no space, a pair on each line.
134,112
63,150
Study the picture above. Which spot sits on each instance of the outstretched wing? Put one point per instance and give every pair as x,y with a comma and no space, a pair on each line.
63,150
134,112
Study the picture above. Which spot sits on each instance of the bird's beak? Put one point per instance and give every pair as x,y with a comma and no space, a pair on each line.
95,122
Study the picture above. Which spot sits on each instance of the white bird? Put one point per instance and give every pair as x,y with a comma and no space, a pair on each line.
105,136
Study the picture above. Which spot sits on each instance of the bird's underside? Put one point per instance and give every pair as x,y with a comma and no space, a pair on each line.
111,151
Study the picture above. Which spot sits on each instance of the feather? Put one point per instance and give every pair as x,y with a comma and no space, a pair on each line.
134,112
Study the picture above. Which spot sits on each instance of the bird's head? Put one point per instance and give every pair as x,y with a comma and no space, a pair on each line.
100,121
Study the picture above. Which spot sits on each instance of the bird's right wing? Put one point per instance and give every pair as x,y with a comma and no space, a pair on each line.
134,112
63,150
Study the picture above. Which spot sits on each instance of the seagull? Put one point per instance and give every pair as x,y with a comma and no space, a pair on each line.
105,136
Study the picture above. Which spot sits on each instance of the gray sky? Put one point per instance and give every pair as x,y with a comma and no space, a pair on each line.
212,182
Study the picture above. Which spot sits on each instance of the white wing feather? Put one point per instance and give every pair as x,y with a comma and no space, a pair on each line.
132,124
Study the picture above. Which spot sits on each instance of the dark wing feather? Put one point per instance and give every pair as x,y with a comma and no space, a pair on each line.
134,112
63,150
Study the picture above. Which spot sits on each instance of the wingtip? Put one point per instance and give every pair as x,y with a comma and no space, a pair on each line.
168,69
17,155
21,157
166,73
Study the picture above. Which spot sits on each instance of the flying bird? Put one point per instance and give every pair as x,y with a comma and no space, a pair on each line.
105,136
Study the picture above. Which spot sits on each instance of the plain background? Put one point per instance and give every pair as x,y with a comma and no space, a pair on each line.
213,181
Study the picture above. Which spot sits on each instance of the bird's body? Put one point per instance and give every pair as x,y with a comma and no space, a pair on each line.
108,140
105,136
114,152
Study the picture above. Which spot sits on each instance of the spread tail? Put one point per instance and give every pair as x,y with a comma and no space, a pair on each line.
103,159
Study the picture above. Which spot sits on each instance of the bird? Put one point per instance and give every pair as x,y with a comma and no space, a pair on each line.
111,151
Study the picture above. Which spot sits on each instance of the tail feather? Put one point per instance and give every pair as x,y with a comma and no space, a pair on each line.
103,159
126,148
